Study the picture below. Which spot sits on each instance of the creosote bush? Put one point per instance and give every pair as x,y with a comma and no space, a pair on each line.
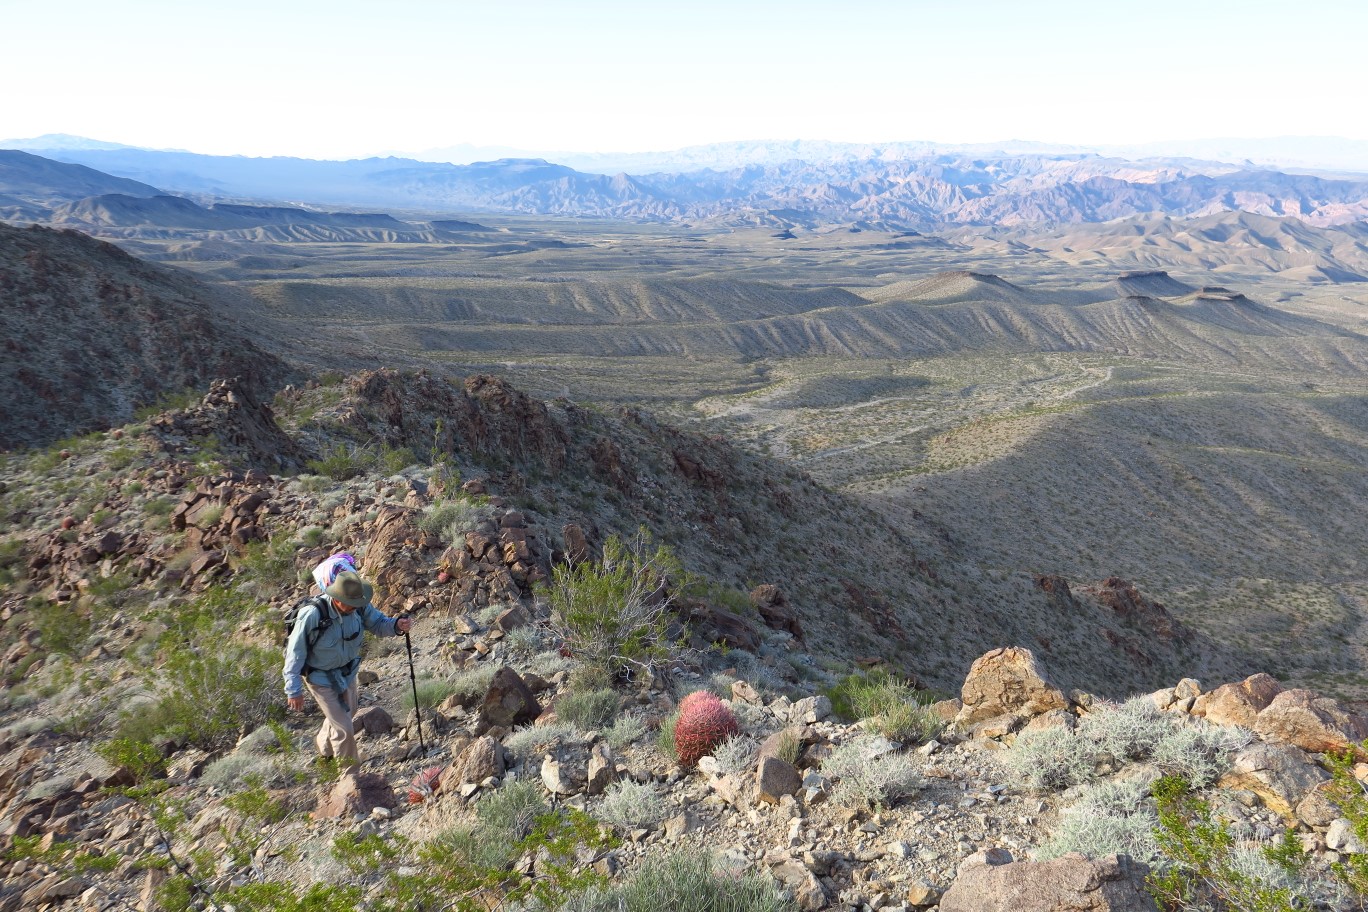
615,614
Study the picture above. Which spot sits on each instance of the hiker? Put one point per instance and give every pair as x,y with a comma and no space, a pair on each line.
323,654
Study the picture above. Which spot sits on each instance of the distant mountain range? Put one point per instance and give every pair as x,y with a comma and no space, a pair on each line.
889,193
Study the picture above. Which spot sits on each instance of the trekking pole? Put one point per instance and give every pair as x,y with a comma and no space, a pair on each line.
413,679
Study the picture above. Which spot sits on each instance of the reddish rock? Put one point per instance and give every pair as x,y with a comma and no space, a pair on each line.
356,793
774,607
373,720
508,702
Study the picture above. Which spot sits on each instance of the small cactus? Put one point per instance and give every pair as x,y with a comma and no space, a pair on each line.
704,723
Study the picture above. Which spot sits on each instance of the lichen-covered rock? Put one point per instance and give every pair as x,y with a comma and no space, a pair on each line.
1315,724
1007,681
1238,703
1280,774
1073,882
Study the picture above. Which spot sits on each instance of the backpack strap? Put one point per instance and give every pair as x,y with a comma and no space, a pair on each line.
325,618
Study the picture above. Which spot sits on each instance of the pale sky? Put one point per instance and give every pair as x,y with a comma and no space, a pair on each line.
341,79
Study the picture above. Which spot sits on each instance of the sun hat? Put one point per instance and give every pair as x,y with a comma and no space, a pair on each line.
350,590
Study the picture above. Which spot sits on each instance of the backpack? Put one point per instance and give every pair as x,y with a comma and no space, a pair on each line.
292,613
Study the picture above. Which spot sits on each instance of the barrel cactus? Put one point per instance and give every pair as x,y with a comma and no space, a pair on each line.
704,722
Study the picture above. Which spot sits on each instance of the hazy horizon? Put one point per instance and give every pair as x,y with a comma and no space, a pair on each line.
349,80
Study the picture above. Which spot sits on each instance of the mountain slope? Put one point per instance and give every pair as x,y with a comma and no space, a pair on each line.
92,333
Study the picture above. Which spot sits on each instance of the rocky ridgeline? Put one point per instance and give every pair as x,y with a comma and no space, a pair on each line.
963,841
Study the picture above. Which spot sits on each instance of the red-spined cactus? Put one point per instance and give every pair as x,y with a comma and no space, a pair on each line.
704,722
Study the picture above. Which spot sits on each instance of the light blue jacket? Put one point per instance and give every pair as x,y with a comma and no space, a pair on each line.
336,655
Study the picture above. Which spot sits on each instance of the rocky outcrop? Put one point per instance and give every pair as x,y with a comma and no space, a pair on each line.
238,420
1313,723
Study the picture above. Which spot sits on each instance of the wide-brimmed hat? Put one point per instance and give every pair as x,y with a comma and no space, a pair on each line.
350,589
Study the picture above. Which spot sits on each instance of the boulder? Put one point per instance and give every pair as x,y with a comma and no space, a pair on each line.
1279,774
356,793
1073,882
482,758
373,720
1007,681
1315,724
602,769
775,778
1238,703
1316,809
508,702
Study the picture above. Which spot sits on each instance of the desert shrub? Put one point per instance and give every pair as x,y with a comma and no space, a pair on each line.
236,772
891,707
267,740
430,693
1050,759
869,774
628,805
1350,795
627,729
1127,731
11,561
524,639
589,677
270,565
474,681
588,710
789,745
207,695
394,460
140,758
1204,867
736,756
511,809
523,741
451,518
1198,751
62,628
1057,757
1108,818
343,461
615,614
688,881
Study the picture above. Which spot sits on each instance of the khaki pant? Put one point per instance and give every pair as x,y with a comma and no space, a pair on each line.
337,737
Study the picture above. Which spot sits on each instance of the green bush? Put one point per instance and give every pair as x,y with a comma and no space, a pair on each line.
689,881
62,628
141,759
590,710
1204,867
615,614
893,708
207,697
343,461
430,693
